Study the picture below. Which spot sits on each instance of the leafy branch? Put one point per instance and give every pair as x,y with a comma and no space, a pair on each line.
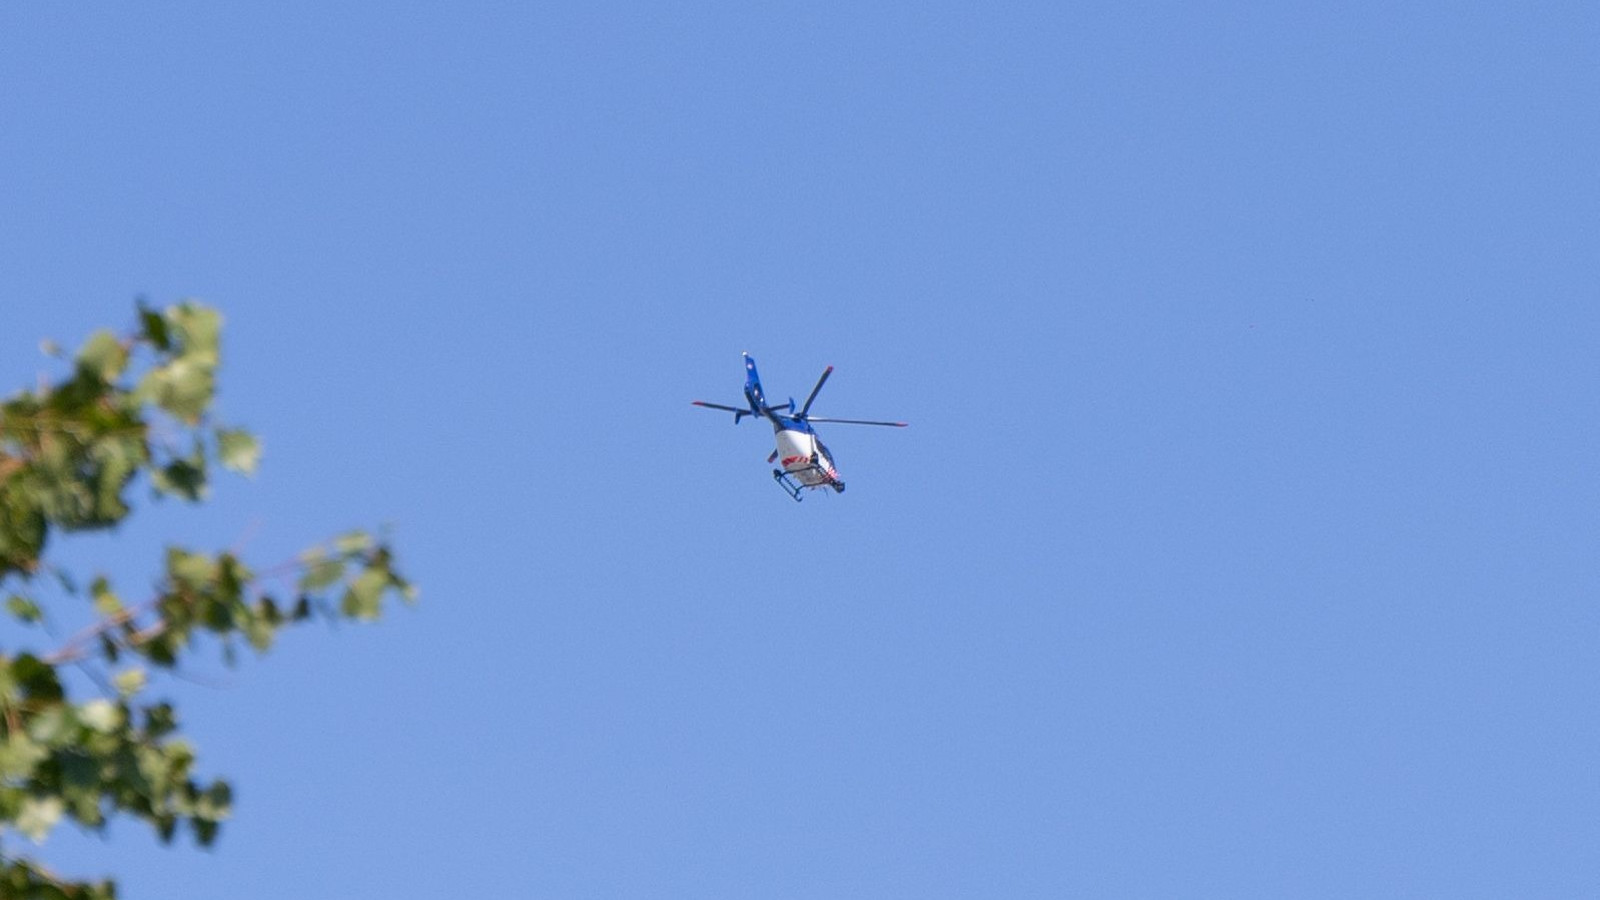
69,454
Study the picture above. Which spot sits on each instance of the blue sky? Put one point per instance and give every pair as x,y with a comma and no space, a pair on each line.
1242,542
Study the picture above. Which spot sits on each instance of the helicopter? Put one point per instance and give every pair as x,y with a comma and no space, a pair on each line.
805,460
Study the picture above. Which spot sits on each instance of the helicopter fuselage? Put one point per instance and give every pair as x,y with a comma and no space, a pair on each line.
803,456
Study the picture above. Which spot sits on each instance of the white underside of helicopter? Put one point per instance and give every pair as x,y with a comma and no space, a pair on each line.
800,457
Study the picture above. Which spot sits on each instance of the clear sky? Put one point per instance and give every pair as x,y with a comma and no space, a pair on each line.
1243,542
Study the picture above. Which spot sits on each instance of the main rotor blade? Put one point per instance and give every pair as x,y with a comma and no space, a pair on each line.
857,422
813,395
745,410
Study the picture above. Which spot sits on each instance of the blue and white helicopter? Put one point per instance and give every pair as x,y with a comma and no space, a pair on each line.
806,462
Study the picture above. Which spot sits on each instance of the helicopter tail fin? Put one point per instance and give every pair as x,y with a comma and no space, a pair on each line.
752,386
752,394
752,391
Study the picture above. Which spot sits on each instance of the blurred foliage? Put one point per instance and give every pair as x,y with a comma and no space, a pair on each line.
70,454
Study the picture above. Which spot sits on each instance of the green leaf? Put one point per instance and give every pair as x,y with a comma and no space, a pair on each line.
363,600
155,328
183,387
199,328
22,535
103,356
238,449
52,725
320,571
192,570
216,802
23,608
38,816
20,879
259,633
20,755
101,715
352,542
205,831
119,461
106,602
36,678
130,681
184,478
160,720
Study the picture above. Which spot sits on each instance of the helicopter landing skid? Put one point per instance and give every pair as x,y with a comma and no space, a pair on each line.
789,485
793,488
